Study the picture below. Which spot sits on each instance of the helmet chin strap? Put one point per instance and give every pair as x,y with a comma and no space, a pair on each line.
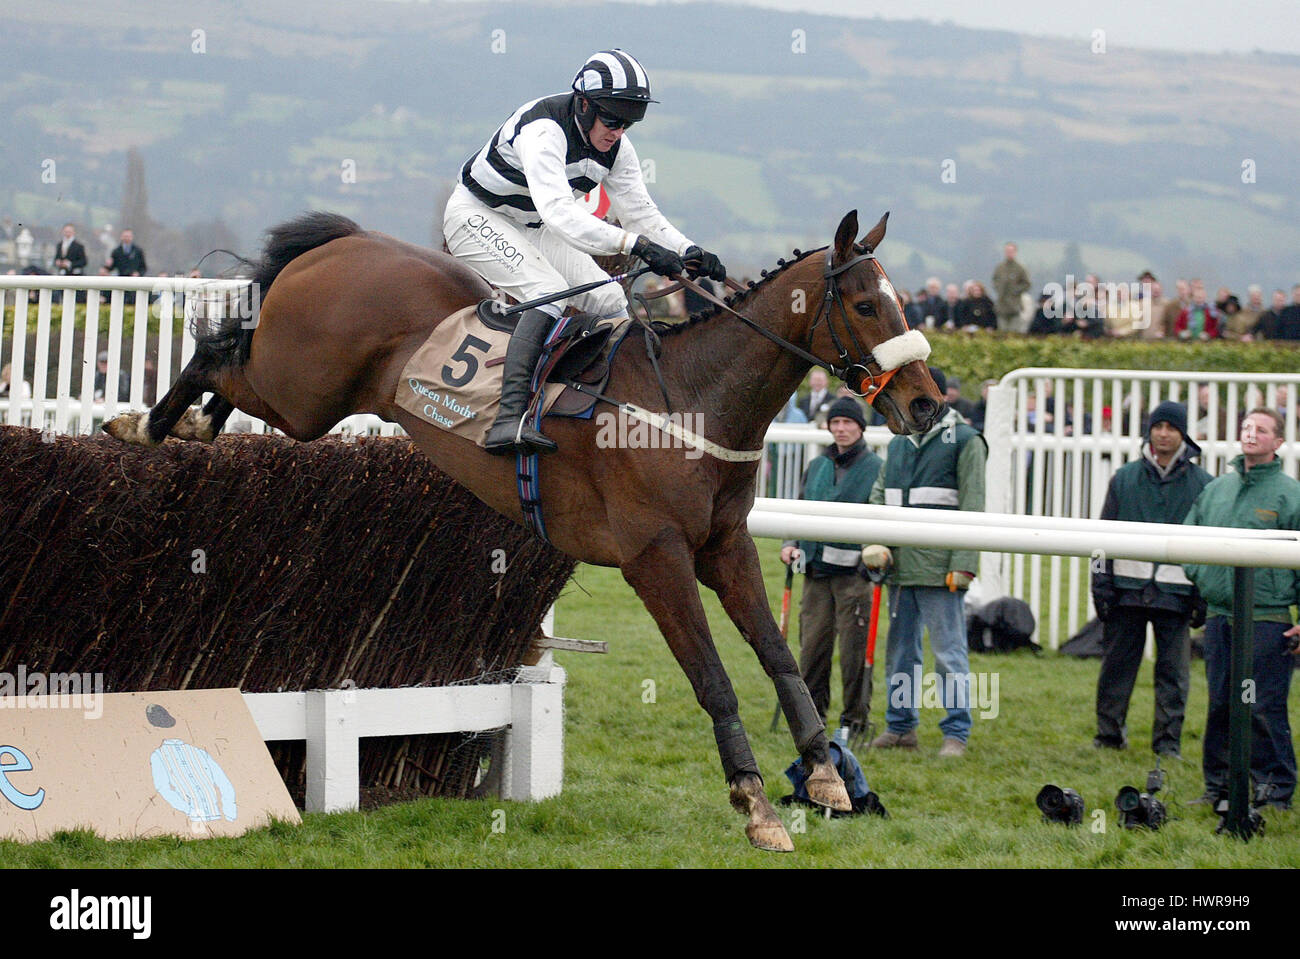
586,116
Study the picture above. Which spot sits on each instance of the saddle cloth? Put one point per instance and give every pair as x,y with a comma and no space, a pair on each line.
454,379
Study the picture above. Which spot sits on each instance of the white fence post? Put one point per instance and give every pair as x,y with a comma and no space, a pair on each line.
333,751
534,749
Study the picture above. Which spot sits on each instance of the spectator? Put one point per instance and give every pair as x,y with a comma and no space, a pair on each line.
942,469
69,255
1200,320
912,314
980,411
1047,318
1255,494
1238,324
23,392
101,380
976,311
1010,281
1158,488
952,394
127,259
1246,325
1152,303
1270,320
819,397
1123,315
1288,326
951,306
1174,307
933,307
836,601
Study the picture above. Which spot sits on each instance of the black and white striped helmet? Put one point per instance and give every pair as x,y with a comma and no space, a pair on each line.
615,75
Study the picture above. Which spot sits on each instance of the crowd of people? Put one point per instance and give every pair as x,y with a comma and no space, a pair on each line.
1093,308
926,586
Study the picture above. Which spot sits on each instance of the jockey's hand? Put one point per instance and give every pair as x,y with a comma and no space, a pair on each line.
700,262
660,259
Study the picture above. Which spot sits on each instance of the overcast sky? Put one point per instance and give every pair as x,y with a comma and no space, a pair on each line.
1208,25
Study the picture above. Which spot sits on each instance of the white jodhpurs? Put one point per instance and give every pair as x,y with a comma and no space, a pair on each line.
526,263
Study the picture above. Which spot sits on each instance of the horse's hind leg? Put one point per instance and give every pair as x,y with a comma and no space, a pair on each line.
664,579
731,569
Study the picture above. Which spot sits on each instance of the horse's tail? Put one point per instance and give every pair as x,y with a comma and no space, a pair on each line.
230,343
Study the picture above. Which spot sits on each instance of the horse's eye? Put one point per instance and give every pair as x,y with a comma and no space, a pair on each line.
865,308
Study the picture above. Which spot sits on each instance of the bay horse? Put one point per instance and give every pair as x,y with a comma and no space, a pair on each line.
342,310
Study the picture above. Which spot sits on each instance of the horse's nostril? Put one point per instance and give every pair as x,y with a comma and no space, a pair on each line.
923,409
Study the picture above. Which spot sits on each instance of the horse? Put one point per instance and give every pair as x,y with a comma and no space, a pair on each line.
342,309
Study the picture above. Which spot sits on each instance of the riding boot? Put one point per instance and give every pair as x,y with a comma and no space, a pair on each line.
509,433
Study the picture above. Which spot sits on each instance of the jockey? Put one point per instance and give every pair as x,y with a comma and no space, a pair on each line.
514,218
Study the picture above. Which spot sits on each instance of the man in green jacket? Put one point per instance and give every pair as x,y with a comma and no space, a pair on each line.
836,600
1010,282
1256,494
942,469
1158,488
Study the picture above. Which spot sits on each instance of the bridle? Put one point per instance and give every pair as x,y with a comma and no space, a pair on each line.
904,347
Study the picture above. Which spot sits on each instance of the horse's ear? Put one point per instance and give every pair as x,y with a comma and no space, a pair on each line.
845,235
872,239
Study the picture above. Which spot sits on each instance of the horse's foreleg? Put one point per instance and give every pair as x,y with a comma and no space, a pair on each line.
731,569
663,577
151,428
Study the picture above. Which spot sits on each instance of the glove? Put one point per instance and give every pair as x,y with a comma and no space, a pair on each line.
877,557
1199,609
1104,598
660,259
700,262
958,579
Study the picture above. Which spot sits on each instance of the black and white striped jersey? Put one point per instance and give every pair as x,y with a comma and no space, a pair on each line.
539,161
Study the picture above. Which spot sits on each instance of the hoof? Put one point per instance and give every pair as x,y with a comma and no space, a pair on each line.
194,425
130,428
769,836
826,788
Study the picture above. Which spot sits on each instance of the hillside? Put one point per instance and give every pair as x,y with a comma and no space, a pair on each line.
1135,155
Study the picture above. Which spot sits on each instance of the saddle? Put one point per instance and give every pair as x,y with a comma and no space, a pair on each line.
453,380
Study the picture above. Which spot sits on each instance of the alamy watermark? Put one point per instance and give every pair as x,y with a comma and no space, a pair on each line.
39,690
673,431
918,690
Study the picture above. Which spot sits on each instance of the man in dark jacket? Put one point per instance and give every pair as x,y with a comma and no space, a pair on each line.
127,259
70,255
836,600
1255,494
1158,488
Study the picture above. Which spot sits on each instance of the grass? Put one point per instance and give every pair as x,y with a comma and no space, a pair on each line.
643,786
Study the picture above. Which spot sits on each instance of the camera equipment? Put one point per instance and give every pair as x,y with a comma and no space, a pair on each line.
1060,805
1142,809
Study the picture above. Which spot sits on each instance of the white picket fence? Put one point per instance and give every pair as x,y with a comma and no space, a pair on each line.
1061,467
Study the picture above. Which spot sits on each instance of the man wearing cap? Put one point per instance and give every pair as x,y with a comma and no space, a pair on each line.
941,469
515,219
836,600
101,380
1256,493
1160,487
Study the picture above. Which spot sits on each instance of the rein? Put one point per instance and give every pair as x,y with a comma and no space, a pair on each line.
852,374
